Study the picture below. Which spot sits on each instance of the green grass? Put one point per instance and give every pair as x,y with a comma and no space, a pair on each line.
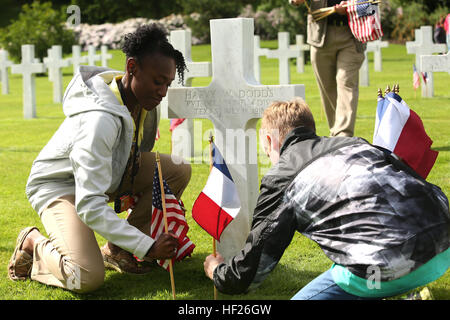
21,141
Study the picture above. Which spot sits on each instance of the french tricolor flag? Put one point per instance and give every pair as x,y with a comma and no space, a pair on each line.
218,204
400,130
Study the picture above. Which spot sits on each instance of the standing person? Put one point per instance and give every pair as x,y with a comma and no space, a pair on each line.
439,32
336,57
101,153
385,228
447,30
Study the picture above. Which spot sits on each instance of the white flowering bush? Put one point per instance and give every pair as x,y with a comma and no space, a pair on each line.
111,35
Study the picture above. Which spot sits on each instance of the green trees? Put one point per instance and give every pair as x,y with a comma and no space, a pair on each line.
40,25
43,23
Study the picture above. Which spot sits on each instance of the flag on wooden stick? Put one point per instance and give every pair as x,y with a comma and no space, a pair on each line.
176,220
416,78
400,130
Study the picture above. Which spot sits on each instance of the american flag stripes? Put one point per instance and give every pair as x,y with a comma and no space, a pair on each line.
364,20
416,78
176,220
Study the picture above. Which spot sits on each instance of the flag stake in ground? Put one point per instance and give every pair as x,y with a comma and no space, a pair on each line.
218,203
166,228
211,140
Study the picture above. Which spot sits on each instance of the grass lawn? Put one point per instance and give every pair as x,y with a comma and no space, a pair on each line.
21,141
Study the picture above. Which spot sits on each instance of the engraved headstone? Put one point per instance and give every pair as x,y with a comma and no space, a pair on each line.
436,63
234,102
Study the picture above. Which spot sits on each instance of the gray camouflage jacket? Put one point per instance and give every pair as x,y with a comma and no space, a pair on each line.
362,206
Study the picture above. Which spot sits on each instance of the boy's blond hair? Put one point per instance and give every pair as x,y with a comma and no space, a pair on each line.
284,116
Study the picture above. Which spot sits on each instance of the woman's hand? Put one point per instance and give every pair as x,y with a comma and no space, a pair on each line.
340,9
296,2
165,247
210,264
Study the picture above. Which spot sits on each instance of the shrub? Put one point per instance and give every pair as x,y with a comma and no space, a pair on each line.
399,18
40,25
201,11
277,19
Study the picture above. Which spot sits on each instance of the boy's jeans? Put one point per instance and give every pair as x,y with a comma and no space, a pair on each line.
324,288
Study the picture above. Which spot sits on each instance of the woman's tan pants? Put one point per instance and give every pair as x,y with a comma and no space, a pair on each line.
70,258
336,66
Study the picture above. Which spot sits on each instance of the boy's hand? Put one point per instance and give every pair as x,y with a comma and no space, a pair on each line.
296,2
211,263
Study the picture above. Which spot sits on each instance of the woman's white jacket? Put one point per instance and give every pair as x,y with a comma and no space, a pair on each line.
87,156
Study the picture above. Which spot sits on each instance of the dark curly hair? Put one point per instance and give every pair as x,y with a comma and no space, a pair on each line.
150,39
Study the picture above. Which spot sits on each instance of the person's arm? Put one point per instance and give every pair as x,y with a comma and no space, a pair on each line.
91,158
263,249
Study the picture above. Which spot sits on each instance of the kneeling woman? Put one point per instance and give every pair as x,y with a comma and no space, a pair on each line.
100,152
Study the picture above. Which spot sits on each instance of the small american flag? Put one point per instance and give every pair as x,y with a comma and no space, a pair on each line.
416,78
176,220
364,20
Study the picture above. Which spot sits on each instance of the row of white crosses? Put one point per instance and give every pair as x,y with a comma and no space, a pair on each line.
423,45
284,52
29,66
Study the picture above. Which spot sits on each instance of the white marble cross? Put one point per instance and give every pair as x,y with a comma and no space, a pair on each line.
77,59
364,79
300,44
183,135
92,56
375,47
424,45
55,63
104,55
412,45
28,68
4,65
234,102
258,52
440,63
283,54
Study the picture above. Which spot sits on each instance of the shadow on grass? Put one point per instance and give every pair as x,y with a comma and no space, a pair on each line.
443,148
191,283
20,149
440,293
